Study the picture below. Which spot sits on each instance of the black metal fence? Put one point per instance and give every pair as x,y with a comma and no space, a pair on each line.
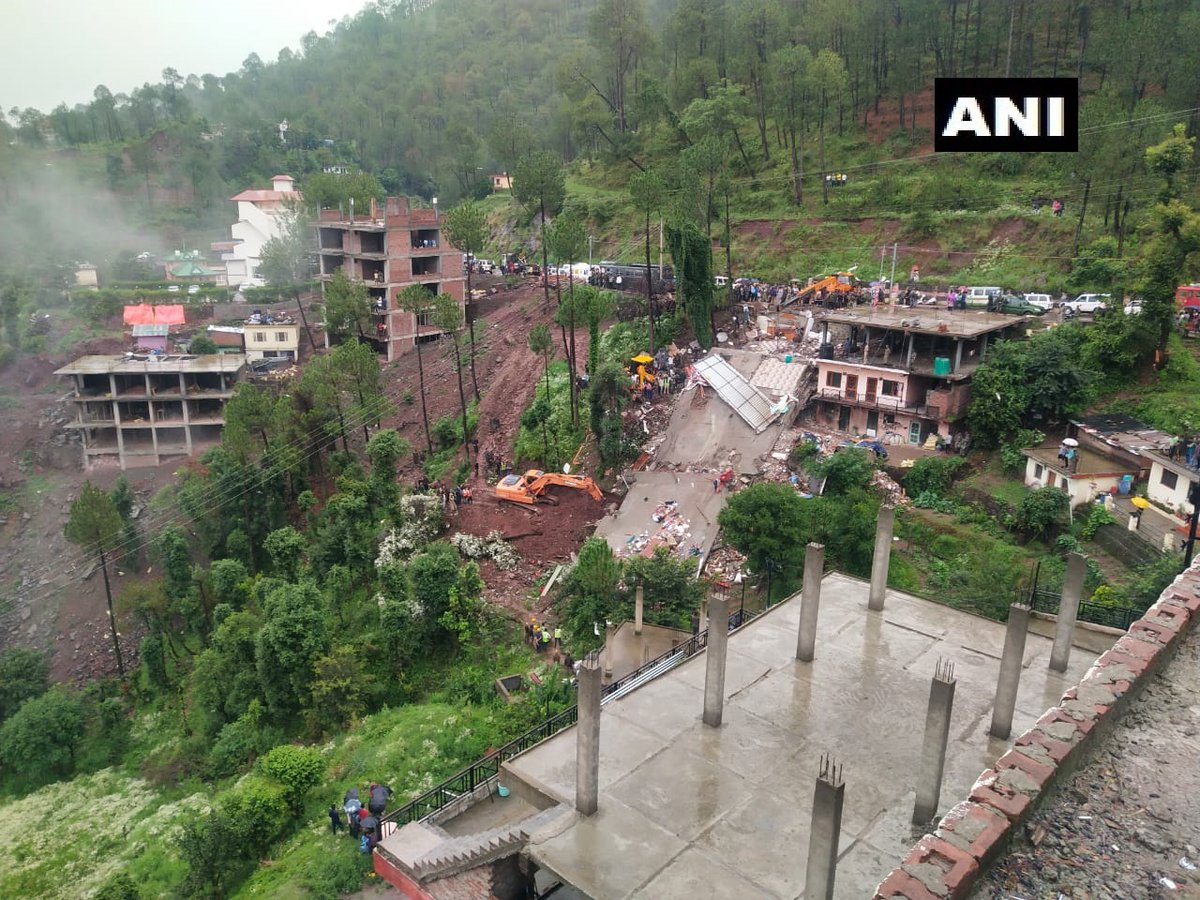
1122,617
485,769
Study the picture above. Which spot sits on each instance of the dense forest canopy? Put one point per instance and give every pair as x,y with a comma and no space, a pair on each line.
431,94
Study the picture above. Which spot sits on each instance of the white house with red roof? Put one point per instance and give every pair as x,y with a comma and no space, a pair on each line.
259,218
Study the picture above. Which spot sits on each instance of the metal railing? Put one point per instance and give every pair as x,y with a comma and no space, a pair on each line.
487,768
878,401
1122,617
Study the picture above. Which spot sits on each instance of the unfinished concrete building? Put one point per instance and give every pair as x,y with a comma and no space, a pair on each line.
387,250
902,376
141,410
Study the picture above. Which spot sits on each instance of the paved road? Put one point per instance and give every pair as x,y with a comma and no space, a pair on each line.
1127,826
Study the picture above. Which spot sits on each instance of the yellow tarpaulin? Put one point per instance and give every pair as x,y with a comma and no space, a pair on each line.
643,359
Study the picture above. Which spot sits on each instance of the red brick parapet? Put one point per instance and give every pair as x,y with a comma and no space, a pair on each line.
946,864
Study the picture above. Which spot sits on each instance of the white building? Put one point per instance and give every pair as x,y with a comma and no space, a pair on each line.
259,218
1169,483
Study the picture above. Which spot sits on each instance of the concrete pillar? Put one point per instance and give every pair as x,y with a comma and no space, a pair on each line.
714,674
933,755
958,345
609,650
1068,610
587,736
883,556
810,601
1010,671
823,837
638,608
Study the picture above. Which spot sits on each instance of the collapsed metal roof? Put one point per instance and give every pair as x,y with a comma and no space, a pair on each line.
747,400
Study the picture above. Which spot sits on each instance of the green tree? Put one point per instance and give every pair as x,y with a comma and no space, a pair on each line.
24,674
618,28
648,192
324,190
845,471
291,640
542,344
671,590
287,258
568,240
210,849
203,345
766,522
340,683
95,526
417,300
607,394
385,449
347,307
539,184
298,769
828,77
790,88
589,595
357,373
448,316
120,886
1041,510
434,575
41,737
466,229
286,547
1171,157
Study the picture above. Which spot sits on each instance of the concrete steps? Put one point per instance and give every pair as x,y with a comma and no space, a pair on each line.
432,855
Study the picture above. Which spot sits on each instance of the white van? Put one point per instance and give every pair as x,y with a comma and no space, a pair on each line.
1041,301
720,281
979,296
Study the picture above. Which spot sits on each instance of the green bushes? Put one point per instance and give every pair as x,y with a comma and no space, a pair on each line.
298,769
932,475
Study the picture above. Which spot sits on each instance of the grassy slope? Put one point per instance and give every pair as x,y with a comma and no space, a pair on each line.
112,819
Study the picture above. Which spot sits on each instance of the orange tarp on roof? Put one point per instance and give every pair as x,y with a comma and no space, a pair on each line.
142,314
145,314
169,315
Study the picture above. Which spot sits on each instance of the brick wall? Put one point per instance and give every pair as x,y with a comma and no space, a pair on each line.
946,864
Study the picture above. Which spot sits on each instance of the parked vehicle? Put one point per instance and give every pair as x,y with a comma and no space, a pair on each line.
1043,301
1020,306
1088,303
193,289
1133,308
982,297
172,289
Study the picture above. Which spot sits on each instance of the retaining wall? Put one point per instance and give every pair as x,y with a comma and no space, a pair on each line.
947,864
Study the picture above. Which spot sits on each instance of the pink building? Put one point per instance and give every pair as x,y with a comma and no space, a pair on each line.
901,375
389,249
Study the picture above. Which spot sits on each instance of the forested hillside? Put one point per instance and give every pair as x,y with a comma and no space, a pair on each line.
428,94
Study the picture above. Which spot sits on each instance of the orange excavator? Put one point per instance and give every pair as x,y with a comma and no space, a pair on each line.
839,284
530,488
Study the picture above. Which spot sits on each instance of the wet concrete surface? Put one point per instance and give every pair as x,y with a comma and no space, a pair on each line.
689,811
698,503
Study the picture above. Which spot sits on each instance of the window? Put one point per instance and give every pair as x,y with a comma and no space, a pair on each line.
1050,480
889,419
280,337
260,337
1168,480
425,318
891,388
1038,470
833,379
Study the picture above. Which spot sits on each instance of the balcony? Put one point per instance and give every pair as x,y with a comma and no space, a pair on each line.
879,402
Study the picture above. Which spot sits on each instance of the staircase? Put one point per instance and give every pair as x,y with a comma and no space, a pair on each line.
427,853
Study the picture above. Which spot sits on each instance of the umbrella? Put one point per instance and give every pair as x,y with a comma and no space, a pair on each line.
1070,442
370,823
1139,502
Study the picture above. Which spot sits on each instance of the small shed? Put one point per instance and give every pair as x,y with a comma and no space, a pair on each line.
228,339
151,337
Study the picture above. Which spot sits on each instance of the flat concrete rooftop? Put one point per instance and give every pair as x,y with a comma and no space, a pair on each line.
102,365
962,323
690,812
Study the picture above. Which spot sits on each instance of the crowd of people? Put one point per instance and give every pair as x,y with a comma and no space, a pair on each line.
362,822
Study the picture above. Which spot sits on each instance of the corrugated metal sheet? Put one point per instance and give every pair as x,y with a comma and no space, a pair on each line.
747,401
151,330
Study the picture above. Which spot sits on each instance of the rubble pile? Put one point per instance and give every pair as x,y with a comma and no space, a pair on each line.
672,531
724,563
887,486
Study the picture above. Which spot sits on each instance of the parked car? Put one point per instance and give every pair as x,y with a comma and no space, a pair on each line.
172,289
193,289
1020,306
1133,308
1088,303
1043,301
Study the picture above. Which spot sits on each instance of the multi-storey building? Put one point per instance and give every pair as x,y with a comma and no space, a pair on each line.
387,250
140,410
259,218
901,375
